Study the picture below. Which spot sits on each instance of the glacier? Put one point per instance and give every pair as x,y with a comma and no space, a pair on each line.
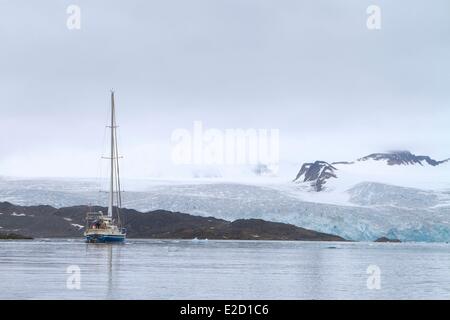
363,211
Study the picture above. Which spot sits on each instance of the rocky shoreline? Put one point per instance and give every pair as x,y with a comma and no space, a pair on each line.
49,222
387,240
13,236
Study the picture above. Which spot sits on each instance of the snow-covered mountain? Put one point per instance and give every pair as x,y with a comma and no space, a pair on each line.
316,174
402,158
397,195
401,168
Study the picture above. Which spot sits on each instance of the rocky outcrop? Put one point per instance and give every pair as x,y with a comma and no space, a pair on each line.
316,173
384,239
13,236
402,158
49,222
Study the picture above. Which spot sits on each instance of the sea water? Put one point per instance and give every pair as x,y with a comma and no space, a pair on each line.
186,269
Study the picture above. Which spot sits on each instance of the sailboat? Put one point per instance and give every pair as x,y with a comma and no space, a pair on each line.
101,228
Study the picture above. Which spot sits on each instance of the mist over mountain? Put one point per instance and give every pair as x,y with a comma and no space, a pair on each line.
395,167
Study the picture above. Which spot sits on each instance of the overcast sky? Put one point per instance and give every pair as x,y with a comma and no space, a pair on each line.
312,69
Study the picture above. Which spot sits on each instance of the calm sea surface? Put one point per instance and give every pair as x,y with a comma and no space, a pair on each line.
172,269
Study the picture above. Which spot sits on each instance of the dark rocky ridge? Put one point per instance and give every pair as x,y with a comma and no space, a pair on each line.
317,173
13,236
384,239
402,158
49,222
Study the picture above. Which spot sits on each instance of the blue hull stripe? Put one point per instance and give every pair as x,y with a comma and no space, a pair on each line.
105,238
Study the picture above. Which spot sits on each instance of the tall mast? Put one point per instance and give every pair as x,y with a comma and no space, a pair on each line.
112,157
